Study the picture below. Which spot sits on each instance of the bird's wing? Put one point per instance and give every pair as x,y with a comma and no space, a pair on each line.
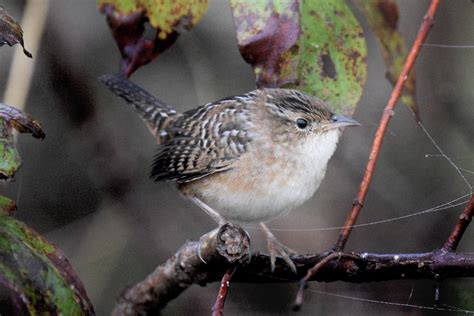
155,112
205,140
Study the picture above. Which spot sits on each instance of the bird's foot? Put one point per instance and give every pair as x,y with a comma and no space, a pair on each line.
276,248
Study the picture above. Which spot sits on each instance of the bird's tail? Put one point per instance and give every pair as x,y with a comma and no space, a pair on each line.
155,112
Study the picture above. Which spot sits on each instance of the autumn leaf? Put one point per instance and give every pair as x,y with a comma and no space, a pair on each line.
14,119
10,31
127,18
314,46
38,274
7,206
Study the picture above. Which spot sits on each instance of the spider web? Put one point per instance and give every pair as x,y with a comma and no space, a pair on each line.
448,308
459,201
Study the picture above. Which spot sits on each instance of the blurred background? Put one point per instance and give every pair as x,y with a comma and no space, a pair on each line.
86,186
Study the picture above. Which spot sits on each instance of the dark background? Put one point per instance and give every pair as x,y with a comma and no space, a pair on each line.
86,186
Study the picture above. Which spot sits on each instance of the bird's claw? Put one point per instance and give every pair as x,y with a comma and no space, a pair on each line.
276,248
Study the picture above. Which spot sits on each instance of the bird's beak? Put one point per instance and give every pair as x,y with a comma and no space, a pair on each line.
338,121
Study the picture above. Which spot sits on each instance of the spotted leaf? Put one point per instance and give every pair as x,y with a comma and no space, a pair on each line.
14,119
38,275
314,46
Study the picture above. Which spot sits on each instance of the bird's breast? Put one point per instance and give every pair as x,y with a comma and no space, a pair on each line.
267,181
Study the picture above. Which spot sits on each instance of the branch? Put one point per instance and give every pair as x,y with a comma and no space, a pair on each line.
218,308
194,263
376,146
461,226
379,135
310,273
186,268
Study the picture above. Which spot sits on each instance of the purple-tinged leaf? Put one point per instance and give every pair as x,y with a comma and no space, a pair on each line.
14,119
10,31
314,46
127,19
39,273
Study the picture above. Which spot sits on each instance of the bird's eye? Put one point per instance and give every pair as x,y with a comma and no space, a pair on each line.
301,123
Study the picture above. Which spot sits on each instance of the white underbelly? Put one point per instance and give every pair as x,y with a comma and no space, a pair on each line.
273,199
269,190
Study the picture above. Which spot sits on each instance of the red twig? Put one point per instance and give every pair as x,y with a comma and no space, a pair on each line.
461,226
311,272
379,135
218,308
375,151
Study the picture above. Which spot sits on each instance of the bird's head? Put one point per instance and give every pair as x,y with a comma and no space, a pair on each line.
297,115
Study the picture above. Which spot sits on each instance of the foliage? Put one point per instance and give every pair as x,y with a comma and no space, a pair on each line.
315,46
165,16
38,275
38,272
10,31
127,20
10,119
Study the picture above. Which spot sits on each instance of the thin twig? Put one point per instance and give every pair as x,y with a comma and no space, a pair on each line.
376,147
461,226
379,135
218,308
193,263
186,267
311,272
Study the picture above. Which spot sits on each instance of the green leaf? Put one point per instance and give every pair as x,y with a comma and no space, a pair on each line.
10,119
164,15
314,46
7,206
10,31
39,273
36,272
382,17
10,159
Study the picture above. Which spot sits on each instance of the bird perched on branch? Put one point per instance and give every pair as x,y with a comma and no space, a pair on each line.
243,159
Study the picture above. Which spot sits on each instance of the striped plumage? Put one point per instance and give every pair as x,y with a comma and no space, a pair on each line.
155,112
210,138
204,140
243,159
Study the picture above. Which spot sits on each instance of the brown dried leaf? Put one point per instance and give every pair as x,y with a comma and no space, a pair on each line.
10,31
